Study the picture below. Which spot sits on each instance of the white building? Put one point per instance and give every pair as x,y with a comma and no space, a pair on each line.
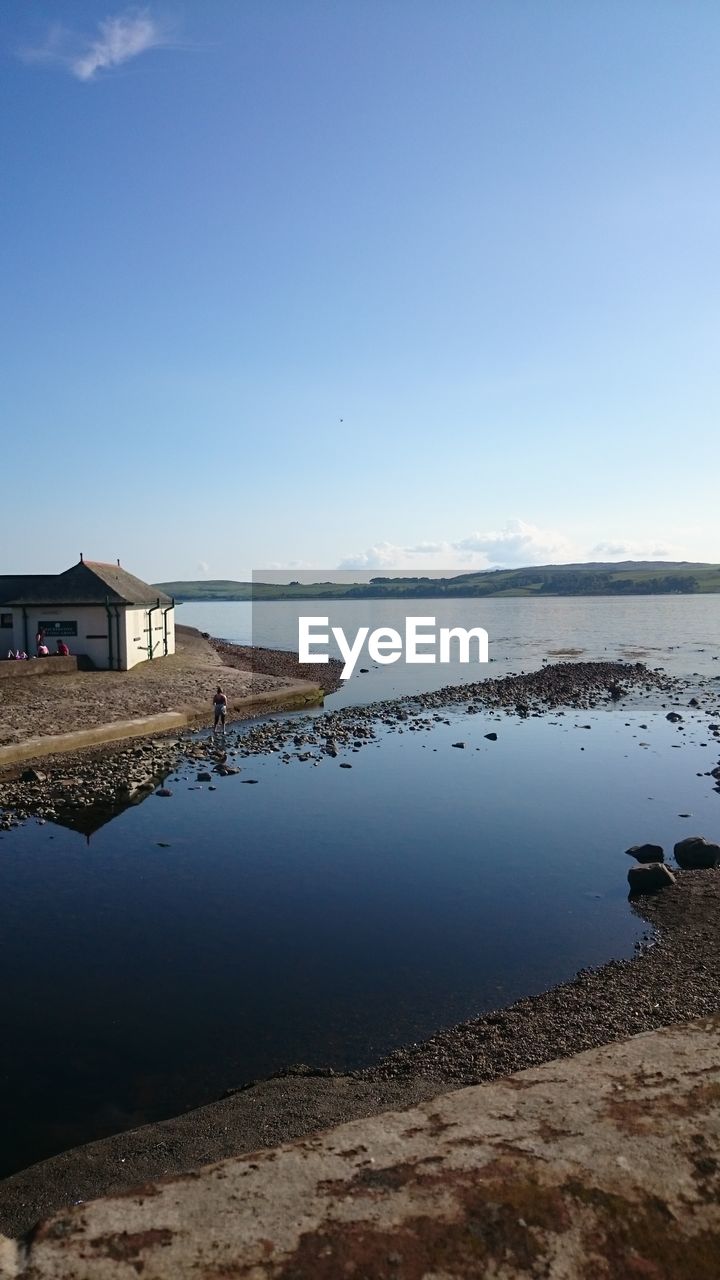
99,610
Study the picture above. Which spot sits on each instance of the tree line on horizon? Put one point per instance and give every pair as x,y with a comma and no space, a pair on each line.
549,580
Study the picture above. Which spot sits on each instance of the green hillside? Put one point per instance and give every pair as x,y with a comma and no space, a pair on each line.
629,578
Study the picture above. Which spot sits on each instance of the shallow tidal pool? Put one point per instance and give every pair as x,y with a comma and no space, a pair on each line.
325,915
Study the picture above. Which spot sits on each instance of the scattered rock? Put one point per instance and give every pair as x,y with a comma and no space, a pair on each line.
673,717
695,852
646,852
491,737
650,877
204,776
163,791
461,745
114,777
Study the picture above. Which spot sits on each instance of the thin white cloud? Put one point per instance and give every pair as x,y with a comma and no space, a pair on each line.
383,555
115,41
120,38
517,544
631,551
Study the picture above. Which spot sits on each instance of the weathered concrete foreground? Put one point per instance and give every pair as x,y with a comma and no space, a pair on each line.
602,1165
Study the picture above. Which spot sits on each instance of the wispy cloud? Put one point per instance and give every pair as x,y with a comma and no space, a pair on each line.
115,41
631,551
120,38
517,544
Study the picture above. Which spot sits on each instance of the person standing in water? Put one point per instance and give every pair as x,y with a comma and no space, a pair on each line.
219,710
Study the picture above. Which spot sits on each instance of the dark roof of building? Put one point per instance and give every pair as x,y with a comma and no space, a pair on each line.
88,582
12,583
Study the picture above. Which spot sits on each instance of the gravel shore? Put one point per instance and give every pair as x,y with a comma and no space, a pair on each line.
277,662
674,976
105,780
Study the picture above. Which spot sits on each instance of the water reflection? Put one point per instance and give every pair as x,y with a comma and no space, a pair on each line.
90,819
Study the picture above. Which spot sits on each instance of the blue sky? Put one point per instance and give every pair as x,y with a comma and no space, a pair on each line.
409,284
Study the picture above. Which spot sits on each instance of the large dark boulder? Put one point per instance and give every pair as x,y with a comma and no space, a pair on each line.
696,852
646,852
650,877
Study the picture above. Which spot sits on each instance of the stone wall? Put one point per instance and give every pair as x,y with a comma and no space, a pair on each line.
55,665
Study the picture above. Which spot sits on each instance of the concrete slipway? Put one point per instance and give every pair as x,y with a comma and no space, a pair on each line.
604,1165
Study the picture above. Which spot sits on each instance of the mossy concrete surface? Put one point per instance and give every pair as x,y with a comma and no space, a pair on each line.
605,1165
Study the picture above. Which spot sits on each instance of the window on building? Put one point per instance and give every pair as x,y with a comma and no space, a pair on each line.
6,621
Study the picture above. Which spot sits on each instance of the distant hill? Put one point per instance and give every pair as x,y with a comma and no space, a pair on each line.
627,578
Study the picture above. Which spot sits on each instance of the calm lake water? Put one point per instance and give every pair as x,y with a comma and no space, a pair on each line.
679,633
327,915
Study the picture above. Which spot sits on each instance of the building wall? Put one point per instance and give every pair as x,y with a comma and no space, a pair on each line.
84,628
101,638
145,627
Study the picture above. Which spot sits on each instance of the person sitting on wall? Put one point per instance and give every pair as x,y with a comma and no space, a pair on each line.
43,651
62,649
